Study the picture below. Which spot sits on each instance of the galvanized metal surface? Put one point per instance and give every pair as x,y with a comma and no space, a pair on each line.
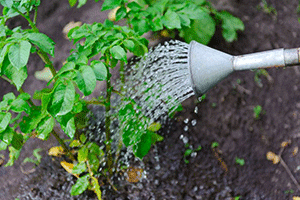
209,66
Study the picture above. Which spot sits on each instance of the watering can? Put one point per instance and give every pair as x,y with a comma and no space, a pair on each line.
209,66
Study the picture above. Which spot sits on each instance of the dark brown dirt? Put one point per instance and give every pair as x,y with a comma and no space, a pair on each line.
226,116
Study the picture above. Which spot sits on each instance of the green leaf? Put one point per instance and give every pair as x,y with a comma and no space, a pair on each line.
72,2
110,4
20,105
83,154
70,128
86,79
81,3
121,13
171,20
157,24
43,42
185,20
79,168
143,146
134,6
7,135
17,141
3,53
18,54
45,127
13,155
4,120
3,145
188,152
118,53
94,162
99,70
18,76
30,122
39,93
201,30
230,25
156,138
81,185
155,126
140,25
63,99
129,44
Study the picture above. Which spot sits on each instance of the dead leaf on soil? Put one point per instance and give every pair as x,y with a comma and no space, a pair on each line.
273,157
285,143
295,151
296,198
134,174
56,151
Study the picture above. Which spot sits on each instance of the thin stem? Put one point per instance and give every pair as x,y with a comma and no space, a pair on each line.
95,102
108,119
64,146
43,55
122,76
31,23
35,15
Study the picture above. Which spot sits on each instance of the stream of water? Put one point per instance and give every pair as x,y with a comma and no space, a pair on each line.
160,81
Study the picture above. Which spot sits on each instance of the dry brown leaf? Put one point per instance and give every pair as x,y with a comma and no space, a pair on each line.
295,151
134,174
68,167
296,198
273,157
285,143
56,151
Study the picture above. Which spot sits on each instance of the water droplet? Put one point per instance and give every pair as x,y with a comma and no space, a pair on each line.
194,122
186,128
194,154
186,120
157,167
196,110
185,140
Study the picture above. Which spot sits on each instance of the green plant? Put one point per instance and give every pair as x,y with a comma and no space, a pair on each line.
269,9
99,47
189,151
257,111
37,156
258,74
240,161
214,144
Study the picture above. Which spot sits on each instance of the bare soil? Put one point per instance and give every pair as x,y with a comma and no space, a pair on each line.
226,116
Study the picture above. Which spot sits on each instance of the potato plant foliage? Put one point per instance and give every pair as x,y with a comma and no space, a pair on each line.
98,48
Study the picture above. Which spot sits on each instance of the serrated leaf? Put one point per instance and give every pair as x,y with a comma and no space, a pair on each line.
99,70
4,120
86,79
118,53
18,54
110,4
171,20
81,185
63,99
45,127
43,42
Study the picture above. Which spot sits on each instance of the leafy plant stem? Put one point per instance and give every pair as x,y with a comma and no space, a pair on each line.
64,146
31,23
29,101
35,15
108,119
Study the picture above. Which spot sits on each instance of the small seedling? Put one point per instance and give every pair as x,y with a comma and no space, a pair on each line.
214,144
237,197
214,105
289,191
269,9
239,161
189,151
257,111
37,156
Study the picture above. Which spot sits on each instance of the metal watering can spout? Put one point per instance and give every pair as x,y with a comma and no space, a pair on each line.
209,66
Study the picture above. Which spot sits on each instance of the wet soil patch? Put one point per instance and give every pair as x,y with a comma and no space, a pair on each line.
226,116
